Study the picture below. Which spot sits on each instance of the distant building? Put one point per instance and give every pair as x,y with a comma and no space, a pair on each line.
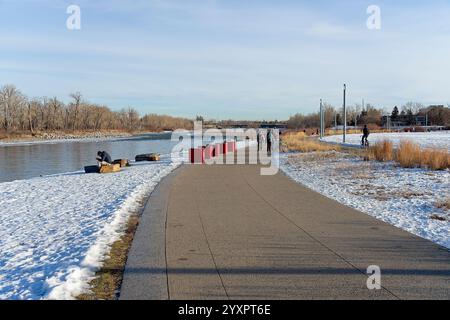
402,121
279,126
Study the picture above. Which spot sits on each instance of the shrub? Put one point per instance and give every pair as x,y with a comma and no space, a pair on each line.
297,141
409,155
436,159
382,151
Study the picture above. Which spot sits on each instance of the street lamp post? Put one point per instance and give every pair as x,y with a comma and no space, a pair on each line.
345,114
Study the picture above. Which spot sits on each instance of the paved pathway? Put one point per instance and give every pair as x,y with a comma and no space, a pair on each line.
226,232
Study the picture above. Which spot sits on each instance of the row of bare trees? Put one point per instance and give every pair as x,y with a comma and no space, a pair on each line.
21,114
333,116
437,115
370,115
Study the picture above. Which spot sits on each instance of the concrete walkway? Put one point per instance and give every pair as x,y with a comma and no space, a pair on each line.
226,232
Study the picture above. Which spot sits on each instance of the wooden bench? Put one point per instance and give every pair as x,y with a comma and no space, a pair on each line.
122,162
109,168
148,157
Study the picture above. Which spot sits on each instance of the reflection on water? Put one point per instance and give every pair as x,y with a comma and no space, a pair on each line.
34,160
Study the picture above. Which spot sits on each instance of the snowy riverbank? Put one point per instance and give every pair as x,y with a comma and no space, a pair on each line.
405,198
64,138
55,231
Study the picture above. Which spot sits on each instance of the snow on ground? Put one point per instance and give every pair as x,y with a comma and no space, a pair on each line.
55,231
439,139
405,198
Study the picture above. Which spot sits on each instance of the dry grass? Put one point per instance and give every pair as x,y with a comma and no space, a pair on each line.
436,159
438,218
298,141
294,135
407,155
444,204
410,155
318,156
108,280
381,193
382,151
363,176
406,194
311,146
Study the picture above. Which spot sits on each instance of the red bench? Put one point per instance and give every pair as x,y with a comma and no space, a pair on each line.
197,155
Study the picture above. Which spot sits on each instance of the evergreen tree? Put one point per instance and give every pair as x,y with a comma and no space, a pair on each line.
395,113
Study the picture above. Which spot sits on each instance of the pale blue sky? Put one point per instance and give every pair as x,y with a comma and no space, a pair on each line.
239,59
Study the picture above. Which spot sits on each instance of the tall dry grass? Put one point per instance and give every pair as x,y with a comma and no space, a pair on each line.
298,141
411,155
444,204
294,135
436,159
382,151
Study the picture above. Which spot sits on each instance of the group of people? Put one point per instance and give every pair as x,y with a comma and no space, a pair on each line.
265,139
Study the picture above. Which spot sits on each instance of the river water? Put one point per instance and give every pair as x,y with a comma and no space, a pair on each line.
26,161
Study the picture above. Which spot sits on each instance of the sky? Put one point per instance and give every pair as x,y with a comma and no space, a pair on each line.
222,59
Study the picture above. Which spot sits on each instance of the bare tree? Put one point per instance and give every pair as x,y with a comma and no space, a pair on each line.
77,98
133,119
11,100
412,108
18,114
30,121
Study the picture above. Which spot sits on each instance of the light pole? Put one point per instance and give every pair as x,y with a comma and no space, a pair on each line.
345,114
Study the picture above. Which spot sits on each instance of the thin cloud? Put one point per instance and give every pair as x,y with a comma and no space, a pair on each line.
329,30
226,57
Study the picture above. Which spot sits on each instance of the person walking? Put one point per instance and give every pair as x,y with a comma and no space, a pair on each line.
258,140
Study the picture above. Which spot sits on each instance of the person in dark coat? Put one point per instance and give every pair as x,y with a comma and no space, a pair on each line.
104,157
258,140
269,141
365,138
